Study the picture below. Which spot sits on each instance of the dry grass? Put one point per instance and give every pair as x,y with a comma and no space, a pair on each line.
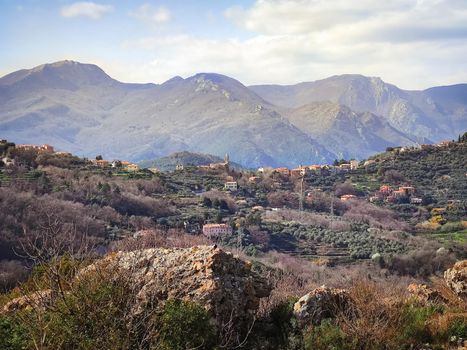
156,238
378,313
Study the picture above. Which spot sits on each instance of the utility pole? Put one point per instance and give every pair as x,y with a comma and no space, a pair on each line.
332,203
300,208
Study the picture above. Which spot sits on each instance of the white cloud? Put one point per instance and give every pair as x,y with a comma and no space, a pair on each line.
152,15
413,44
85,9
443,18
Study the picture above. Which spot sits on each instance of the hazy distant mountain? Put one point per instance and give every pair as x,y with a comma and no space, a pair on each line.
344,132
56,103
185,158
79,108
435,113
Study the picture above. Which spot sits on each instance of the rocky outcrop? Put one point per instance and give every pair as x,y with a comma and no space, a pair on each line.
456,278
223,284
30,301
321,303
424,294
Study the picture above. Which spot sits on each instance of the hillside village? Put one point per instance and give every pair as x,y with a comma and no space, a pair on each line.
387,220
231,198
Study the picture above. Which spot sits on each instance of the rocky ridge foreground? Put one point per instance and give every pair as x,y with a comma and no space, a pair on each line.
226,287
222,283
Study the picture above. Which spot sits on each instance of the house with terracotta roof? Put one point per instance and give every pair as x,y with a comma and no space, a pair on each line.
254,179
399,194
131,167
409,190
345,166
347,197
101,163
385,190
315,167
283,171
444,143
300,171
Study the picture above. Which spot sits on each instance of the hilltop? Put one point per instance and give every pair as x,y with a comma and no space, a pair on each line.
185,158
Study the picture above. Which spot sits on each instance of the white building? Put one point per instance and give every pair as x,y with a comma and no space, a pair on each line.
231,185
353,164
216,230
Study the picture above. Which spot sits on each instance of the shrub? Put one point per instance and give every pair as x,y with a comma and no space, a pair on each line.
453,226
458,328
282,318
12,334
327,336
414,327
184,325
92,315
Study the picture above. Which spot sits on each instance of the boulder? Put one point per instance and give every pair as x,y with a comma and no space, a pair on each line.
223,284
456,278
30,301
424,294
321,303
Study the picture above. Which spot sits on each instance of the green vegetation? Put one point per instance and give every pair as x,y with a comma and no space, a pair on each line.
185,325
96,311
13,335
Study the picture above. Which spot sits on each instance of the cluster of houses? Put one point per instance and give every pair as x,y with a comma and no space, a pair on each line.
41,149
390,195
116,164
220,166
100,163
45,148
315,169
444,143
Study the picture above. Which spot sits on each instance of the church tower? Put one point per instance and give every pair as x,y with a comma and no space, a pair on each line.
226,159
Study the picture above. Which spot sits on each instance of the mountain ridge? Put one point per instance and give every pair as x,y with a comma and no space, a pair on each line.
414,112
78,107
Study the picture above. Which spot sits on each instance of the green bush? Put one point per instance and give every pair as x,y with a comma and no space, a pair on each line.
414,325
452,227
92,316
327,336
284,323
458,328
12,335
184,325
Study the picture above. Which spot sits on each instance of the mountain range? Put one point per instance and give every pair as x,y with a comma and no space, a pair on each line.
79,108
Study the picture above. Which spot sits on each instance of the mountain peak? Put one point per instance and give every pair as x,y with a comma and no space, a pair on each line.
216,79
175,79
58,64
60,74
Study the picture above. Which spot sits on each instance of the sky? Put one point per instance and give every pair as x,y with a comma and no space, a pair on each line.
413,44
